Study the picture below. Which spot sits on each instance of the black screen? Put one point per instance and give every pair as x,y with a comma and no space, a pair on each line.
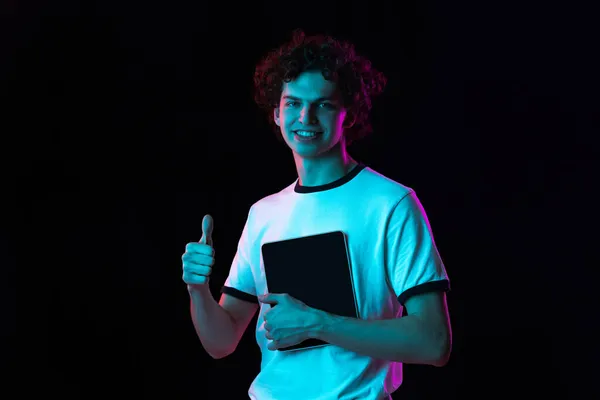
315,270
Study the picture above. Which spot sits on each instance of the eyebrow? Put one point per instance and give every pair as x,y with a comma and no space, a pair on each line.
289,97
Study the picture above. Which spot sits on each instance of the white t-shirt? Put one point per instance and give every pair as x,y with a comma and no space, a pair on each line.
392,256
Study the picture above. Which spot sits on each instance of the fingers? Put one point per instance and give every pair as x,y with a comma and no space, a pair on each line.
197,270
199,248
207,229
197,259
190,279
266,327
194,274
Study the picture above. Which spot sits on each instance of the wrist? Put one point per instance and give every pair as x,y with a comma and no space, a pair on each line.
198,290
320,322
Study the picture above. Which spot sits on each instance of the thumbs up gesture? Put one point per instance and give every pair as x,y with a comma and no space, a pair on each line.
199,258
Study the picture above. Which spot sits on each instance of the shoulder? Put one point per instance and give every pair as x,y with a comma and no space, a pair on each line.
397,201
382,187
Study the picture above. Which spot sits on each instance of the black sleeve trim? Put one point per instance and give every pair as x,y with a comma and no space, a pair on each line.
434,286
239,294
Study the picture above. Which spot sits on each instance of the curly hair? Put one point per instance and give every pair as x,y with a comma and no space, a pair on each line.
357,81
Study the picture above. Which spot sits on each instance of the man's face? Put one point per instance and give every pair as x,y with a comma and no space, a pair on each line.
310,114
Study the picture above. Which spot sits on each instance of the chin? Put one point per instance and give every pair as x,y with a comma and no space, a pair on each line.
308,154
309,150
304,151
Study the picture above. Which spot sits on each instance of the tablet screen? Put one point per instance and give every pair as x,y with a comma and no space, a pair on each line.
315,270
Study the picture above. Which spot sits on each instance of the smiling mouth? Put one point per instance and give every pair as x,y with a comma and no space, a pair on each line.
307,134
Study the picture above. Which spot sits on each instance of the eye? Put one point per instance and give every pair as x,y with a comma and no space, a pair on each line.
327,105
293,103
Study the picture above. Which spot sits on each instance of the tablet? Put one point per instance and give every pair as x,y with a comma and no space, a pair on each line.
315,270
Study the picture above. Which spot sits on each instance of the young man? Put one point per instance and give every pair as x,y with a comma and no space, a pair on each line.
319,92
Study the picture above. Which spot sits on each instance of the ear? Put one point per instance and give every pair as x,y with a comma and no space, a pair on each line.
349,120
276,116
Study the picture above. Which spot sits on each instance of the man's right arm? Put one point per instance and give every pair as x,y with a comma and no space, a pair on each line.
219,326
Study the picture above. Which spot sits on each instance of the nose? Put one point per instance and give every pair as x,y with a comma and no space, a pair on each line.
307,116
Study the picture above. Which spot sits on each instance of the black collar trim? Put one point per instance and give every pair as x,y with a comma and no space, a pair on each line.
337,183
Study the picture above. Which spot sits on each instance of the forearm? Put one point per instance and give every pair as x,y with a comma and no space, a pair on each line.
403,339
214,326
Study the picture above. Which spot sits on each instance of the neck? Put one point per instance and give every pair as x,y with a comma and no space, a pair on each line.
325,168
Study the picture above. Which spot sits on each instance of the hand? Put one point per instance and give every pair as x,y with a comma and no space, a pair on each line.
199,258
290,323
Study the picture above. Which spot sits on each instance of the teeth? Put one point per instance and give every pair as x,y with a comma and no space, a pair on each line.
306,133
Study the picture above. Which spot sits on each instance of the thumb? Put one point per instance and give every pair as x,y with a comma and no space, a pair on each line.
207,229
269,298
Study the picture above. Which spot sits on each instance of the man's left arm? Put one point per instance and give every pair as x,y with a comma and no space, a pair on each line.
423,336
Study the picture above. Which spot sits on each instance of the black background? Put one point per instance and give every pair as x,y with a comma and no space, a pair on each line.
135,119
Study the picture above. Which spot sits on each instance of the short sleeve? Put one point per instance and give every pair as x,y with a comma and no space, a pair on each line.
412,259
240,282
